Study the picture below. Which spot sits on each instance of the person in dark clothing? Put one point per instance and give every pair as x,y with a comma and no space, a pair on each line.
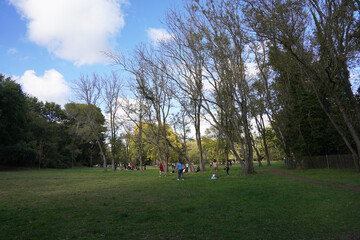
227,168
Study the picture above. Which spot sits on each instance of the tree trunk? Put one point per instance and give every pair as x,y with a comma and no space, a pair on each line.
102,154
259,157
249,166
198,137
267,155
140,144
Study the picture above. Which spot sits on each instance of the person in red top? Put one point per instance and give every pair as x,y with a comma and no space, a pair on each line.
132,166
161,167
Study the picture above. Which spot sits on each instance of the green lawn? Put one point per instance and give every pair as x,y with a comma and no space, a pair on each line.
90,204
343,176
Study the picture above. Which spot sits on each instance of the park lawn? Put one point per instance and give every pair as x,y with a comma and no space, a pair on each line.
342,176
91,204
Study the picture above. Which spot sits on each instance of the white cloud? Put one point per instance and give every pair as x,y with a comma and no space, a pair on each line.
12,51
50,87
158,35
77,31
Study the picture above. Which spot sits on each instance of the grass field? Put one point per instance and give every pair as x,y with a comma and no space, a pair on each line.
91,204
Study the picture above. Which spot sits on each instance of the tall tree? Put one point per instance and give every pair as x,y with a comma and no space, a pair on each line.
88,125
224,42
320,36
111,87
88,90
154,87
13,123
184,52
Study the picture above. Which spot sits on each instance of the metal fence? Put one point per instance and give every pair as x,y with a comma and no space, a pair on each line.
328,161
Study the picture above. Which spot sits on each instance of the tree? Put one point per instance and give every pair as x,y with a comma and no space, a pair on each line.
262,105
89,90
223,40
111,92
150,147
319,35
47,133
13,123
154,87
184,55
88,125
181,122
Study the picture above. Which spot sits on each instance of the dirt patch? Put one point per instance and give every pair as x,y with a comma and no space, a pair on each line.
275,171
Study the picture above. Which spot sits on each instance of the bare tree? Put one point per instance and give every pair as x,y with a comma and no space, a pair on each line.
183,53
211,50
152,86
111,87
261,98
181,122
224,41
88,90
134,114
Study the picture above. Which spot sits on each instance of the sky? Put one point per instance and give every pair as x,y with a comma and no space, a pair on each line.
46,45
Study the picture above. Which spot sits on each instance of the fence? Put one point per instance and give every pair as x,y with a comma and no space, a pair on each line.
328,161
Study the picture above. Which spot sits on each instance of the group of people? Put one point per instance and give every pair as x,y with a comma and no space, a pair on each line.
129,166
180,169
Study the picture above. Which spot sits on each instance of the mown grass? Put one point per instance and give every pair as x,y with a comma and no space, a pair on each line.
342,176
91,204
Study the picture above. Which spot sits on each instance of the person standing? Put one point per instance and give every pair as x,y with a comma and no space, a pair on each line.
161,167
180,170
227,168
215,165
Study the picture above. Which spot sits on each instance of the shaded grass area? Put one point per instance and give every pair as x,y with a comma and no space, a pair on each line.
342,176
90,204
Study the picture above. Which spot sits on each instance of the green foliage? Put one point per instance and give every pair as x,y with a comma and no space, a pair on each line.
304,125
13,121
274,145
193,151
149,146
86,128
209,148
33,133
47,134
119,152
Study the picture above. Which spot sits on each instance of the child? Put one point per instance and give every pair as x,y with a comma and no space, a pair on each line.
180,171
161,170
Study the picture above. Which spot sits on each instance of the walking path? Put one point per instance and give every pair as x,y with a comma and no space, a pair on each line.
276,171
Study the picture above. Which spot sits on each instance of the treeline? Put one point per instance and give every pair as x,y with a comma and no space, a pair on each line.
37,134
43,135
304,53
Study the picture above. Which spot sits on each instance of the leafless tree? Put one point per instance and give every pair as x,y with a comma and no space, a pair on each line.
153,86
223,42
110,93
183,52
88,89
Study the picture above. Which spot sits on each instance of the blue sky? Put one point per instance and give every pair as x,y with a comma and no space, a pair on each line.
46,45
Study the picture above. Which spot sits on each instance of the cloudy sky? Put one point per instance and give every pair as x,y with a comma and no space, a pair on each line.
46,45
